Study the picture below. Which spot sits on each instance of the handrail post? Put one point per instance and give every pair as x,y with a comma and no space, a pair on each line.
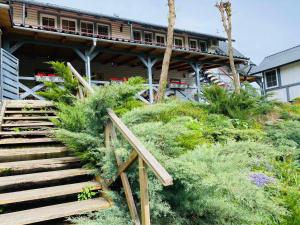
144,193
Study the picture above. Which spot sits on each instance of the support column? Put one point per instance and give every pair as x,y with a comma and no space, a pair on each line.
87,57
197,68
149,63
1,38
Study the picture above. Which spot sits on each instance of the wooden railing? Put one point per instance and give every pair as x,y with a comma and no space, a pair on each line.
139,153
144,158
84,89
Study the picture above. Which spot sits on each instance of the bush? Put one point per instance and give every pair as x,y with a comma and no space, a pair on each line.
244,106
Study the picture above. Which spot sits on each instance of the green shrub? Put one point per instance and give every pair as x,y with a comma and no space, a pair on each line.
57,92
244,106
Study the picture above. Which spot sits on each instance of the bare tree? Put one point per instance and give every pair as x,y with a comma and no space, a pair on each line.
168,52
226,14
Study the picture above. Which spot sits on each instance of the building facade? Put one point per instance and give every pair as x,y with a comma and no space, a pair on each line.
103,48
281,74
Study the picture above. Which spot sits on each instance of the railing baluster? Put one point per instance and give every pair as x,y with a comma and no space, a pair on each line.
144,193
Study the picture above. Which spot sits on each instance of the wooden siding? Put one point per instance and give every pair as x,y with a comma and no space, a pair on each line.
33,14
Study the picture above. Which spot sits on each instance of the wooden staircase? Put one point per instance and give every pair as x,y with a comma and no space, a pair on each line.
39,178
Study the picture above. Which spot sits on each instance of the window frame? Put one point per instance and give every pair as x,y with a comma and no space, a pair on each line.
265,79
160,35
70,19
88,22
108,29
196,41
206,46
148,32
139,31
48,16
182,40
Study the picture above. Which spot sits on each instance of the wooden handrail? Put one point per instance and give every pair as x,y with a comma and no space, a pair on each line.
160,172
81,79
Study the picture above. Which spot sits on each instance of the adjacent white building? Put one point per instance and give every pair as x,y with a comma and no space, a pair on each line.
280,74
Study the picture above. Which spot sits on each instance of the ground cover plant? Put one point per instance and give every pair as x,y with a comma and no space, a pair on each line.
237,165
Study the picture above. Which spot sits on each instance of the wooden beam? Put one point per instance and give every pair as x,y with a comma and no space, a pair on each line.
131,159
126,185
180,65
160,172
144,193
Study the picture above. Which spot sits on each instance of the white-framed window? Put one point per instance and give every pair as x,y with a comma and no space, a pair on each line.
48,21
178,42
137,35
148,36
68,24
160,39
193,44
271,78
203,46
86,27
103,29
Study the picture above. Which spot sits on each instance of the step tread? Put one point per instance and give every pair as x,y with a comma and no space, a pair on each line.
27,124
28,117
30,112
54,212
41,177
48,192
51,163
18,104
30,151
25,133
25,141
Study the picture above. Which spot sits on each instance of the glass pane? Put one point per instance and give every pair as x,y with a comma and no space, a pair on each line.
271,78
137,36
193,44
160,39
103,30
178,42
148,37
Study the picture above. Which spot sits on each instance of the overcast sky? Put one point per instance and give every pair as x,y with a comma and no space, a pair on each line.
260,27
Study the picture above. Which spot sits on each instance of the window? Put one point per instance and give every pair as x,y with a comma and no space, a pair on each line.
203,46
103,30
178,42
48,21
160,39
137,35
193,44
148,37
87,27
68,24
271,79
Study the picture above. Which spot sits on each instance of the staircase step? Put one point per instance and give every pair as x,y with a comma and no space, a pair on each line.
29,117
40,124
25,133
14,182
31,166
53,212
12,141
30,112
44,193
28,104
7,155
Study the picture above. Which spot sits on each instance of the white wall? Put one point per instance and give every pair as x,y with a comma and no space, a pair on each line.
279,95
294,92
290,74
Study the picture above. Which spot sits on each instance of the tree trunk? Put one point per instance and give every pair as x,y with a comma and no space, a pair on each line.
225,7
168,53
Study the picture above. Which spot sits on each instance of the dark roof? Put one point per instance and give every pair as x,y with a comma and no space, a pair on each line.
279,59
125,20
223,48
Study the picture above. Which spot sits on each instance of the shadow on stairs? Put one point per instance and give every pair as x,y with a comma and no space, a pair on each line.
39,178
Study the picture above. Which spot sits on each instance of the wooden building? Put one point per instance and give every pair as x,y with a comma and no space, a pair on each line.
104,48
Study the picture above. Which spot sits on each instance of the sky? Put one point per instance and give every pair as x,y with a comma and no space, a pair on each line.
260,27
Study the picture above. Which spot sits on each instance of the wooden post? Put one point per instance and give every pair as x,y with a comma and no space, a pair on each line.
145,207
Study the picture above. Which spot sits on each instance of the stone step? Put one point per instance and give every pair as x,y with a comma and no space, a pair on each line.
33,166
53,212
20,154
14,141
45,193
11,183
